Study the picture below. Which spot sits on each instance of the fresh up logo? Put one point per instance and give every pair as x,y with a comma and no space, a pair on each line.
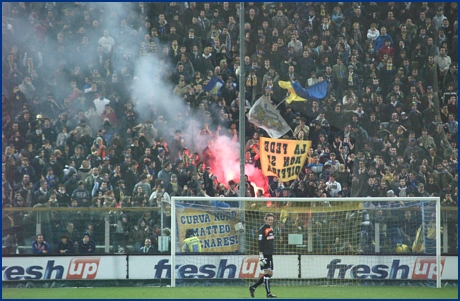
79,268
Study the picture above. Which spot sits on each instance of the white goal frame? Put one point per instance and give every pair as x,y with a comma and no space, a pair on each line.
357,199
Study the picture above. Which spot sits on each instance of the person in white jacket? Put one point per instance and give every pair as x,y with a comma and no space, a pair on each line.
373,32
333,186
107,42
442,60
27,88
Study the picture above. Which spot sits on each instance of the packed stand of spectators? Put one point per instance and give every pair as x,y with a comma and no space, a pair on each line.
73,135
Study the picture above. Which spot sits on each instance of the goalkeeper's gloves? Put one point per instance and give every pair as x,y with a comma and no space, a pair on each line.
262,261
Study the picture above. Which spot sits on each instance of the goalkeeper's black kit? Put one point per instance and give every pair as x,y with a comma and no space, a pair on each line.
266,240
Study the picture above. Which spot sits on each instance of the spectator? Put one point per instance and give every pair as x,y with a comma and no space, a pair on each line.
147,248
159,196
333,187
302,127
316,167
65,245
379,42
443,61
27,88
81,193
144,185
100,102
373,33
86,245
148,131
40,246
107,42
130,176
165,173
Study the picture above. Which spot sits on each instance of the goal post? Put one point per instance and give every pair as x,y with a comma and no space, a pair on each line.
319,241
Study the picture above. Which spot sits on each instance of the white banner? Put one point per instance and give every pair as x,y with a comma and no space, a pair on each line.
266,116
65,268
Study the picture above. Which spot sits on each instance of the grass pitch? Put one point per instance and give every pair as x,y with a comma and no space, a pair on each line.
233,292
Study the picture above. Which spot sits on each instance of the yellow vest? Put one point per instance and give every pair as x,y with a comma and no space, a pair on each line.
192,245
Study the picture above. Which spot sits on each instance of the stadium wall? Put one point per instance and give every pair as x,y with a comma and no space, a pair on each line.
145,267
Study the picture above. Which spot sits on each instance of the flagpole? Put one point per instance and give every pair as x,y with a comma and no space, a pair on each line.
242,97
281,102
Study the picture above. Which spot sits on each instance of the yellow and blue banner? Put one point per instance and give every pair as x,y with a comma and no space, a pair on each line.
213,226
283,158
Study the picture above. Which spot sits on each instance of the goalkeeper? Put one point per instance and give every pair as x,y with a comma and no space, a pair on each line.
266,239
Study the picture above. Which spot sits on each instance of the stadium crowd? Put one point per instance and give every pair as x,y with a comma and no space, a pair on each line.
73,134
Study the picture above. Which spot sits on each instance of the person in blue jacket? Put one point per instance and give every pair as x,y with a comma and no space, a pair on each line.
379,42
40,246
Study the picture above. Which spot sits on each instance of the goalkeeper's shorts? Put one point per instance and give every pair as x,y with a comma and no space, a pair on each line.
269,264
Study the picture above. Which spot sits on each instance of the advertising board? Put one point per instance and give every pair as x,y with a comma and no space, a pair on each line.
377,267
65,268
225,267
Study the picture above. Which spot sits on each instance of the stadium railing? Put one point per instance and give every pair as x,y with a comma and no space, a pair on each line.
20,226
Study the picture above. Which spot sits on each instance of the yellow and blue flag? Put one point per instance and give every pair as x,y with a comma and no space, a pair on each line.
214,85
297,93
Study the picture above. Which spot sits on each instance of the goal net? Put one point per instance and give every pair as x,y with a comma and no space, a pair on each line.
318,241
